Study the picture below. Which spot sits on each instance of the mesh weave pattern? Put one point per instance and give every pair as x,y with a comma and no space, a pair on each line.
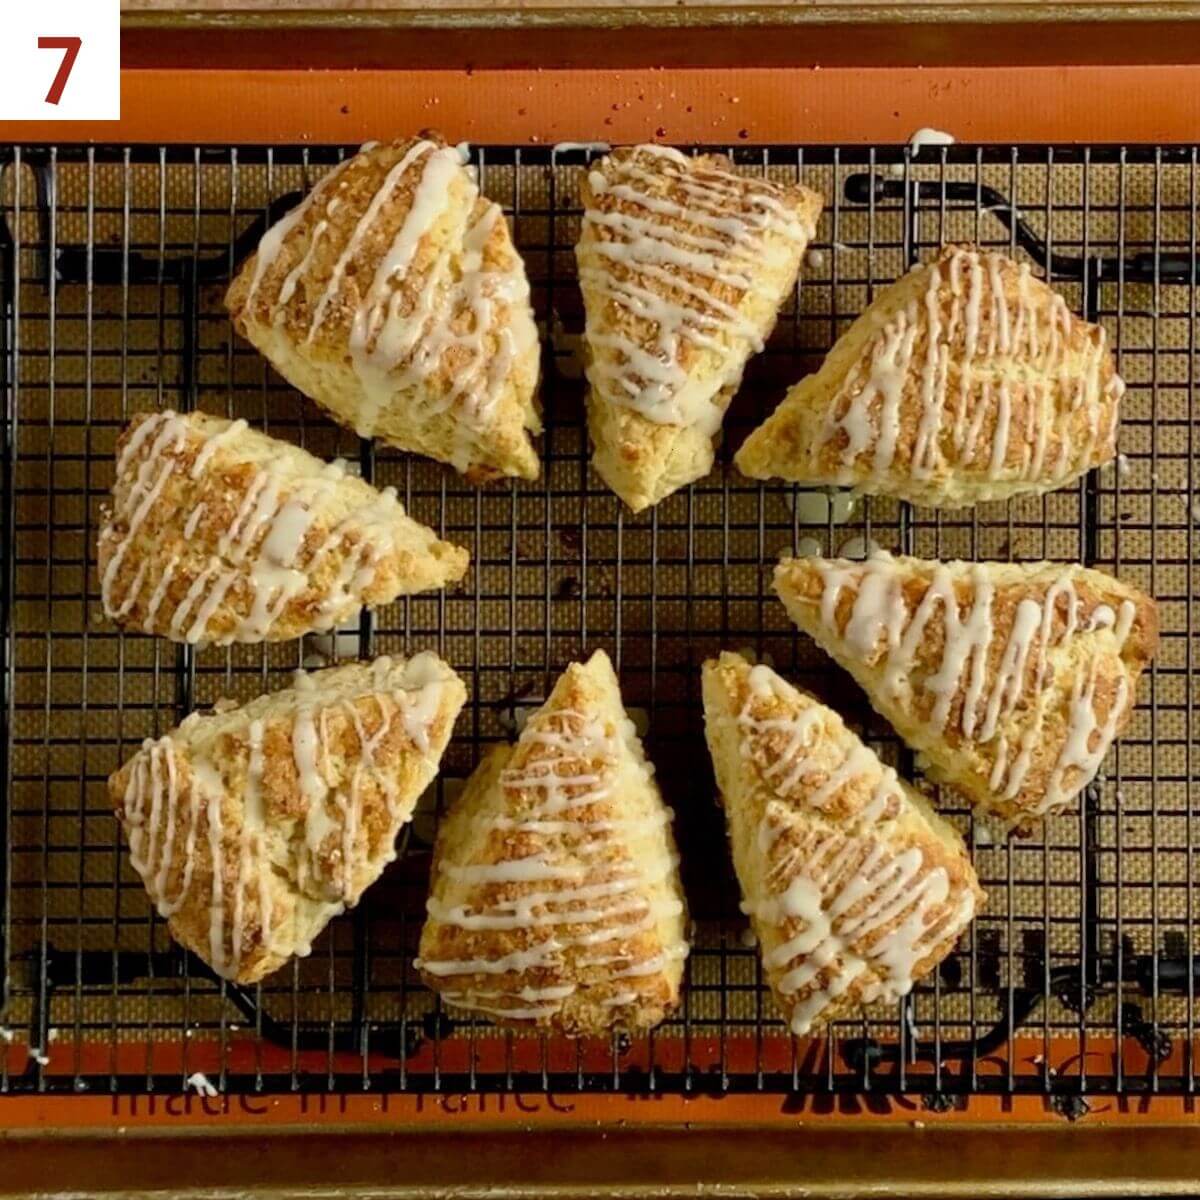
112,266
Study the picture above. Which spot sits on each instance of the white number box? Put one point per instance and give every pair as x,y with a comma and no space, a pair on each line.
60,60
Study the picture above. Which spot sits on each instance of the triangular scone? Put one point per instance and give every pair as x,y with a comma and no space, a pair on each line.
967,380
1012,680
392,295
252,827
555,899
217,533
855,887
683,266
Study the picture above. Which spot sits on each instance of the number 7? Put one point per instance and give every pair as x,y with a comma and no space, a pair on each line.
70,48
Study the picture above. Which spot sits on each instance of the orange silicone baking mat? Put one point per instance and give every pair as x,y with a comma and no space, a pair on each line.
1073,996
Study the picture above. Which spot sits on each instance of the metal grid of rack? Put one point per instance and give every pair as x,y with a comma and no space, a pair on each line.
1079,977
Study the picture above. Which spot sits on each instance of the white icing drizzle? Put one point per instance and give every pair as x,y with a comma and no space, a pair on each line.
261,563
925,136
837,903
414,317
176,795
579,147
793,766
202,1085
271,245
1016,358
153,823
189,531
655,269
573,897
991,682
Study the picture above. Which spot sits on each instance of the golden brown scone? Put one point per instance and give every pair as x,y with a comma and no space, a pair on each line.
683,266
967,380
555,899
251,828
855,887
394,297
1011,679
217,533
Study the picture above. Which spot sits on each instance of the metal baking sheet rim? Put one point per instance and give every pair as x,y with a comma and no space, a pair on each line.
974,1161
914,1153
193,15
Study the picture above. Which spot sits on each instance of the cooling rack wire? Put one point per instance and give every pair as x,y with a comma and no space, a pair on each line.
1078,978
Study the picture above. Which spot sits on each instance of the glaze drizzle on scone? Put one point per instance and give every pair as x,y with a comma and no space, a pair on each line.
683,265
394,297
854,891
1013,680
219,534
251,828
555,898
967,380
664,220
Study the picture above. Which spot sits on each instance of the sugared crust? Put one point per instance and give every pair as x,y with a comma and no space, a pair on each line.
597,837
641,459
202,513
305,299
1020,397
1039,711
293,842
780,821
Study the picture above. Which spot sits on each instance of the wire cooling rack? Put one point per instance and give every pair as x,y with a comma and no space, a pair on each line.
1079,977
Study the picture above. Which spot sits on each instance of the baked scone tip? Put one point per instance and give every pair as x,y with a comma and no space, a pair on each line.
555,899
393,296
856,889
219,534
